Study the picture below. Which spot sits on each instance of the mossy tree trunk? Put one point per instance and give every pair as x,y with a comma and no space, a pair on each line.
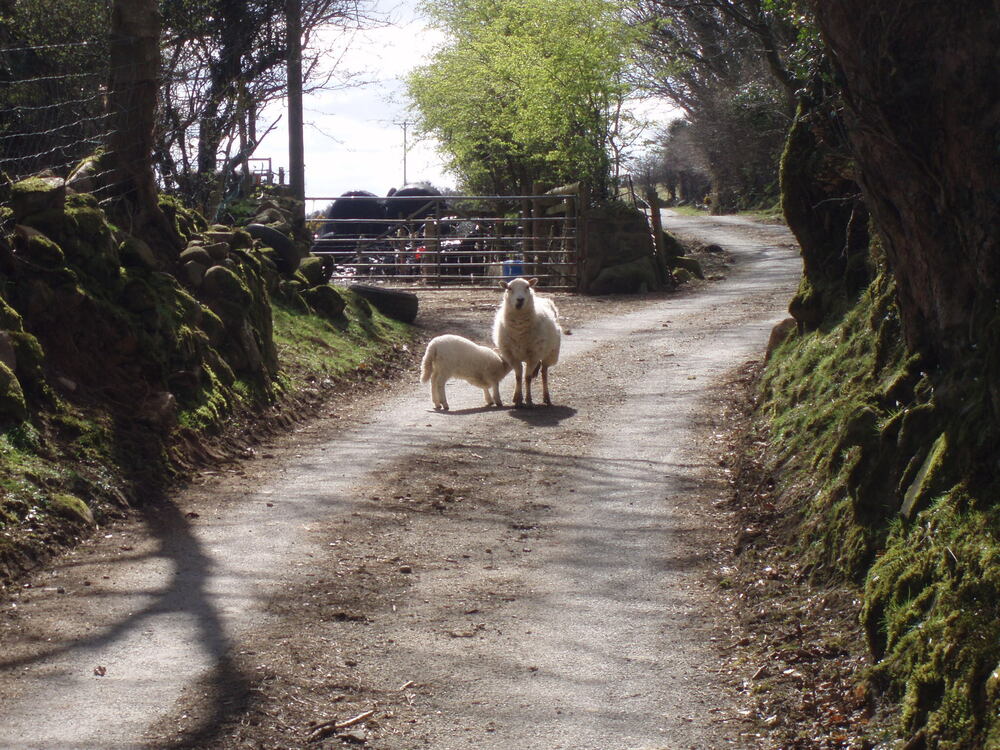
822,205
132,96
921,89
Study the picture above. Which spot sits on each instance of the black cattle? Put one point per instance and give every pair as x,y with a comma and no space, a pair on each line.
355,204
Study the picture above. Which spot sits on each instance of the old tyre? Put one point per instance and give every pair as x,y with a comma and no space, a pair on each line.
395,303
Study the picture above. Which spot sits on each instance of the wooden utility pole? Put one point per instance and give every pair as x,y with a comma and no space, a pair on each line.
296,146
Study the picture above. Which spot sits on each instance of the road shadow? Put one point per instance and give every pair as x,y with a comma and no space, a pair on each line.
225,686
468,410
543,416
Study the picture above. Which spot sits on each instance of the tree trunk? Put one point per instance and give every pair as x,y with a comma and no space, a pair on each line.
921,88
132,94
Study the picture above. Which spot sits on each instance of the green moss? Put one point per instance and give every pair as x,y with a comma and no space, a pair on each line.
885,479
71,508
13,407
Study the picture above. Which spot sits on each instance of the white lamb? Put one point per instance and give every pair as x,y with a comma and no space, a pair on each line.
526,330
456,357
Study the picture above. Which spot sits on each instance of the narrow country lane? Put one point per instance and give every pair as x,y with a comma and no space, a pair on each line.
552,599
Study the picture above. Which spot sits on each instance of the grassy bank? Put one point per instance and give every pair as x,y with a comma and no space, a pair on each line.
874,473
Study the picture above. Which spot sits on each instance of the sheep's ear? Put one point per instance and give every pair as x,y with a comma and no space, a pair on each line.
503,284
532,282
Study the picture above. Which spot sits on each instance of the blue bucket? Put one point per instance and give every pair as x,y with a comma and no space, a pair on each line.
512,269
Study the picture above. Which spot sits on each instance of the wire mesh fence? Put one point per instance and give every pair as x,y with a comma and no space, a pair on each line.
52,104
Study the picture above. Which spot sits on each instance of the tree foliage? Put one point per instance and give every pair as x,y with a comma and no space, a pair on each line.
223,62
734,67
526,91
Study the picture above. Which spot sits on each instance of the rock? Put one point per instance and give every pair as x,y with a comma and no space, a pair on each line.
779,335
35,247
218,251
225,293
135,253
10,319
219,234
13,407
138,296
159,410
198,254
683,276
8,355
688,264
311,271
928,482
37,195
194,273
325,301
627,278
83,177
72,508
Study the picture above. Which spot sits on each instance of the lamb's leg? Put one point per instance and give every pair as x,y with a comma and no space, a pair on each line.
527,388
545,386
487,396
496,395
518,375
440,400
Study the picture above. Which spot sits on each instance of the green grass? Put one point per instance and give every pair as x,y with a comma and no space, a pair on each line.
311,347
857,436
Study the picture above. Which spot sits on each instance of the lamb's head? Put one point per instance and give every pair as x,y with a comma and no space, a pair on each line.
519,293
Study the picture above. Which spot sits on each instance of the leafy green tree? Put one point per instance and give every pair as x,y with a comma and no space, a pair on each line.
223,62
732,67
526,91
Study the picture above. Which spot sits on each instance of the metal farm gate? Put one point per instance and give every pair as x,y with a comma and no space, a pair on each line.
449,241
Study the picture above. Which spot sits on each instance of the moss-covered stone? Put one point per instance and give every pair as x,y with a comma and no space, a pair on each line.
71,508
311,272
226,294
10,319
135,253
37,195
636,276
325,301
13,407
197,254
690,265
930,480
37,248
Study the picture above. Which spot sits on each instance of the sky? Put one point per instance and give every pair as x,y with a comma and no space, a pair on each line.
354,136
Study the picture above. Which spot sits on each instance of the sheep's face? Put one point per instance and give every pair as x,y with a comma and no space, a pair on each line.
519,293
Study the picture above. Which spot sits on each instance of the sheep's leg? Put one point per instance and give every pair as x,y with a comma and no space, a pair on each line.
497,401
527,388
440,400
488,397
545,386
518,375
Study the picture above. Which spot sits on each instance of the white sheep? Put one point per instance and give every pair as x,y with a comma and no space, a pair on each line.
452,356
526,330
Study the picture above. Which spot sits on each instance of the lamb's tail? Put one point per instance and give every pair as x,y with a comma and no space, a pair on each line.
426,365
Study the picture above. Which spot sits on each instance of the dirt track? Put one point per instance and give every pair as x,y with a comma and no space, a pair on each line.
478,579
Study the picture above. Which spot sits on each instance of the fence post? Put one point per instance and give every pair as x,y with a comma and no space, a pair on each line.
133,86
296,147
